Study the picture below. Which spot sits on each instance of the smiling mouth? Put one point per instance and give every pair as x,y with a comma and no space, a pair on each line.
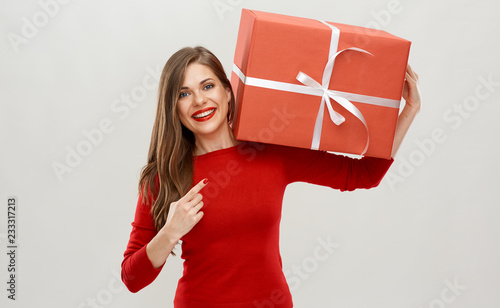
204,115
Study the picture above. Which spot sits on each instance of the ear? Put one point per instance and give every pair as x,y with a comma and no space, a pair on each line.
228,94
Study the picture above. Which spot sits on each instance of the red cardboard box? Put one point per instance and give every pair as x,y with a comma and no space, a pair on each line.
273,106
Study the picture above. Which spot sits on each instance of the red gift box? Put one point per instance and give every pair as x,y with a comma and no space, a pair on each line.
320,85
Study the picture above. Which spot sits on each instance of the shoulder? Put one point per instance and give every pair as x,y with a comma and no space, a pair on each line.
251,150
282,155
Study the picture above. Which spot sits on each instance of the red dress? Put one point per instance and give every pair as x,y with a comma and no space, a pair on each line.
231,257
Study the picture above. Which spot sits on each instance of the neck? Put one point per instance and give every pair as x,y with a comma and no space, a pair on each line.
208,144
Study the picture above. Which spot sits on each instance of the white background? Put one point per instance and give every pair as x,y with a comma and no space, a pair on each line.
434,220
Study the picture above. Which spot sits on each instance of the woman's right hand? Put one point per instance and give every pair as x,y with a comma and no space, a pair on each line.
182,216
185,213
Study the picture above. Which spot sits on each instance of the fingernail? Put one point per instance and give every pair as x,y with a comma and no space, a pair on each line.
205,181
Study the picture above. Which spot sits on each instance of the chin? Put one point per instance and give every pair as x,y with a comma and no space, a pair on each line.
212,129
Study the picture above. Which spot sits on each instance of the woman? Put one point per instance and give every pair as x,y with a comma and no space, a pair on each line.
223,197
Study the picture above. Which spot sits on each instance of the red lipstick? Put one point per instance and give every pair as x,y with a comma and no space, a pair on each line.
204,114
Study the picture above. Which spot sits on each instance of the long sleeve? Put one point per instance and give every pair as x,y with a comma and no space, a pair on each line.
332,170
137,270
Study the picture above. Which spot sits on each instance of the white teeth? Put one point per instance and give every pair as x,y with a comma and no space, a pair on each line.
204,114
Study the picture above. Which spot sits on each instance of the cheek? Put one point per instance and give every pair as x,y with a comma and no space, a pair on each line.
183,112
182,109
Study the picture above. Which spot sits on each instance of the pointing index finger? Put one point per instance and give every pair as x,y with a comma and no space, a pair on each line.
196,189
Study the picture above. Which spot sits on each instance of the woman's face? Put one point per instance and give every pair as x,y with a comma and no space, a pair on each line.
203,102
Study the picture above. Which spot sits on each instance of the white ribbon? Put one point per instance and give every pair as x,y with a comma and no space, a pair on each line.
312,87
327,94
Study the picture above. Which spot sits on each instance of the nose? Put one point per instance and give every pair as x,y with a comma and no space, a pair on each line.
199,99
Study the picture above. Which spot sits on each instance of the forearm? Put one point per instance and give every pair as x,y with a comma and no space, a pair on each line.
159,248
404,121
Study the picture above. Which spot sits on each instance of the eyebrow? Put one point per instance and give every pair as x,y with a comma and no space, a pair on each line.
201,82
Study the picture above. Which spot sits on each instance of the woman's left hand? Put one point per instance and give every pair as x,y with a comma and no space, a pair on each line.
411,93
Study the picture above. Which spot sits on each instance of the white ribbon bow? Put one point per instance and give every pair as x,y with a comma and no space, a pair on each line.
336,117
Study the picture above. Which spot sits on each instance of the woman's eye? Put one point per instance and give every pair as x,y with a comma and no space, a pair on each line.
209,86
183,94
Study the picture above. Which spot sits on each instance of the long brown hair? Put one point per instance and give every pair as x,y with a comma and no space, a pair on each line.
168,175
